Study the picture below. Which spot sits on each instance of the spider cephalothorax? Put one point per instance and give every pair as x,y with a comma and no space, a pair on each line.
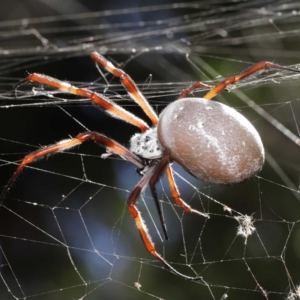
146,144
206,138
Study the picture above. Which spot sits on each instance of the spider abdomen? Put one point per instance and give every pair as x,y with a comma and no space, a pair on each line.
211,141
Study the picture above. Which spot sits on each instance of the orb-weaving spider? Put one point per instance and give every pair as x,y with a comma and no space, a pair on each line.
211,141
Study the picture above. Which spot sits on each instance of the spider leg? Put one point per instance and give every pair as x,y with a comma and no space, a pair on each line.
176,195
192,87
110,144
129,84
164,166
153,171
234,79
99,100
158,207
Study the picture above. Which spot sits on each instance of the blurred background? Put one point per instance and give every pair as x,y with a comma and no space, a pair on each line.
65,232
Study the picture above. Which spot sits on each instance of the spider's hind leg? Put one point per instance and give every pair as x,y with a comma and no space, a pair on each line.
176,195
248,72
152,176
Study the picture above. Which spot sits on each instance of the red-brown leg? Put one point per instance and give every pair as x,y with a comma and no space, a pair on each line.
192,87
176,195
129,84
111,145
234,79
162,166
153,171
110,107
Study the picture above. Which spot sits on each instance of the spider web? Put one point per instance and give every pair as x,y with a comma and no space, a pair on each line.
65,232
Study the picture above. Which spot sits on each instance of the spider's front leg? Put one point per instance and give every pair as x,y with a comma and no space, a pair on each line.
111,145
99,100
151,177
129,84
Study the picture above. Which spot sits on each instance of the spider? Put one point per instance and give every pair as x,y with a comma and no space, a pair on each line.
210,140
